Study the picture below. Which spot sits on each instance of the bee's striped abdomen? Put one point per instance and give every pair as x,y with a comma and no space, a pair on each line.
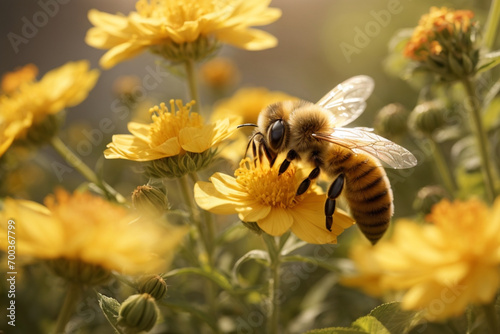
367,190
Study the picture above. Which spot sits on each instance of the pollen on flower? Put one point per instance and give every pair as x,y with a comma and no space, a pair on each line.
167,124
264,183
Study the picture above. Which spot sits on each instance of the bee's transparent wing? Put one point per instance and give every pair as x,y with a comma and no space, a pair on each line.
361,140
347,100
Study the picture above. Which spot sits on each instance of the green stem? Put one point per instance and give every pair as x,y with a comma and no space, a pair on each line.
274,284
193,86
68,155
187,196
209,224
442,166
491,27
481,139
491,317
72,297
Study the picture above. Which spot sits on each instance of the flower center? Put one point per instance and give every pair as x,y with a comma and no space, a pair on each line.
167,124
263,183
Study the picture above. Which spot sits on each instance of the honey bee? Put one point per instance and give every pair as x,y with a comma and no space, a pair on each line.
352,157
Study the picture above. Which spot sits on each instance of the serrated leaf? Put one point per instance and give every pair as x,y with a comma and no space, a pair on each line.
110,307
255,254
215,276
370,324
394,319
336,330
488,61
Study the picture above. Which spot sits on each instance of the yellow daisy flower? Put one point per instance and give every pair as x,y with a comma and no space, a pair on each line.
172,133
11,81
443,266
75,232
258,194
34,102
244,107
181,29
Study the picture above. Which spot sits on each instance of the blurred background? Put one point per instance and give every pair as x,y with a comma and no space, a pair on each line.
321,43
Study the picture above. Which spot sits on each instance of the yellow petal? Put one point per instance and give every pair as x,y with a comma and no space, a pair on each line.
248,39
196,140
120,53
277,222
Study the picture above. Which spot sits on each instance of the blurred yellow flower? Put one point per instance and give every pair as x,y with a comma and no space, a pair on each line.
424,40
258,194
33,102
82,228
444,266
244,107
11,81
176,28
219,73
171,133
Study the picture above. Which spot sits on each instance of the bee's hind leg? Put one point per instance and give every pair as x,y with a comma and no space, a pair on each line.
333,192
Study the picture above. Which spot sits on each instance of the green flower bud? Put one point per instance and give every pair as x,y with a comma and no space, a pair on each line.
180,165
254,227
391,120
427,197
197,50
428,117
150,199
79,272
138,313
153,285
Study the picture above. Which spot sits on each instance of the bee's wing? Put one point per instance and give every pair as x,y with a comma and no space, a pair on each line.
347,100
359,139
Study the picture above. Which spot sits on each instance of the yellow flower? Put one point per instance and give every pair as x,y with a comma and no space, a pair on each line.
11,81
34,102
171,133
181,28
425,41
81,228
219,73
244,107
258,194
443,266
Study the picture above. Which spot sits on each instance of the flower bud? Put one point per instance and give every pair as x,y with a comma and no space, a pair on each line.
428,117
427,197
138,313
79,272
153,285
150,199
391,120
43,131
180,165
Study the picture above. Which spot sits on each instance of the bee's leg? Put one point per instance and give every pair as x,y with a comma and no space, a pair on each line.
291,155
307,182
333,192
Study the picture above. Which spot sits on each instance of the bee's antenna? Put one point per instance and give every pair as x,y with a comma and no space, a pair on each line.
247,124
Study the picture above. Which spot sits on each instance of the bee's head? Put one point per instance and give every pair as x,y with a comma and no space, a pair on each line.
273,124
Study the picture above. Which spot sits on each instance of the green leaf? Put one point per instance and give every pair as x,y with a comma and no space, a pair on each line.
491,116
337,330
110,307
394,319
488,61
215,276
256,254
370,325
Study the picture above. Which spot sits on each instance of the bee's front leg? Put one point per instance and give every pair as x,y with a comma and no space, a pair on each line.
333,192
291,155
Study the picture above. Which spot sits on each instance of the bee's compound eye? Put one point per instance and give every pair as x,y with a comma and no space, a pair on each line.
276,134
